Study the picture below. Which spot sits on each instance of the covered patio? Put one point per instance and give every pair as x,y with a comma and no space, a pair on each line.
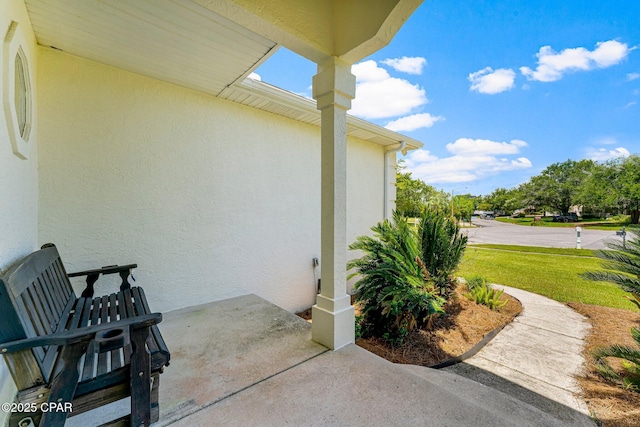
247,362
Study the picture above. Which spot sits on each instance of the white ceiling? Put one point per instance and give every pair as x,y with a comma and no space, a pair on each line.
177,41
181,42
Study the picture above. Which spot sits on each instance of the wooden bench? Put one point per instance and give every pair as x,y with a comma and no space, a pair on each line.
77,353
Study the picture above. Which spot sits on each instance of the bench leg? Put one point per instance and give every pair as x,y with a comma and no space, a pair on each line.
140,379
155,406
63,386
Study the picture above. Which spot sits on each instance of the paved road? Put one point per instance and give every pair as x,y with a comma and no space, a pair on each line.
491,231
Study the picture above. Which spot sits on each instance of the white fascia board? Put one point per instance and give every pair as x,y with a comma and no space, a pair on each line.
267,97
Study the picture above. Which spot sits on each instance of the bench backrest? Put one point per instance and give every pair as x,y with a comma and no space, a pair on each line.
35,296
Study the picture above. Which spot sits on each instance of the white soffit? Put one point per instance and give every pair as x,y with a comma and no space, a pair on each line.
177,41
270,98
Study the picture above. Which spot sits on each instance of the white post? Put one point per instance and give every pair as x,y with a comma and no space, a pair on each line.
333,316
578,241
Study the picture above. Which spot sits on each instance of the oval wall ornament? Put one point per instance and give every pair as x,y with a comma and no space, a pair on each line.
17,96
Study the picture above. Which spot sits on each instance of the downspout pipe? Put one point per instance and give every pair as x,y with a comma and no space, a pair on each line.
387,176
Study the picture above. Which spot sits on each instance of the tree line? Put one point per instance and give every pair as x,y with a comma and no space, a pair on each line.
599,188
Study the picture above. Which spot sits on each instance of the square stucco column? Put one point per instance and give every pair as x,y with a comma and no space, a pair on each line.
333,316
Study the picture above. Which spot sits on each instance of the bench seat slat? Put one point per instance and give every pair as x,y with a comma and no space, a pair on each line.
128,303
122,314
89,360
104,318
116,358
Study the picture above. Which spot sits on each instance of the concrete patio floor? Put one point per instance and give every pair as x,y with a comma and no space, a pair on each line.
246,362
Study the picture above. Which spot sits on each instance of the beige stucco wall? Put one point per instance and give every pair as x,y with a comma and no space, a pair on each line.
212,199
18,176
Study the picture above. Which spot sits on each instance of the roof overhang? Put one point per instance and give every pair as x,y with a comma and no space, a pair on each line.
270,98
212,45
348,29
208,45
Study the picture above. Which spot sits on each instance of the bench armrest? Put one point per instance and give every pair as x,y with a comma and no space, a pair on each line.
92,276
81,334
109,269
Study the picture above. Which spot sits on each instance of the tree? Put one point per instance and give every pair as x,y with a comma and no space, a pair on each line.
630,186
613,185
598,193
530,197
503,200
557,187
412,195
464,205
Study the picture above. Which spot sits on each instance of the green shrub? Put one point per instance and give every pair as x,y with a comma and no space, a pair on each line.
482,293
359,321
630,356
441,248
474,281
396,291
622,267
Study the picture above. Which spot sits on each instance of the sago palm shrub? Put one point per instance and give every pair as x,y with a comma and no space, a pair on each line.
630,356
394,288
441,248
622,267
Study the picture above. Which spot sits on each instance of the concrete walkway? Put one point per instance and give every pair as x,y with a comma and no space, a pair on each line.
246,362
535,358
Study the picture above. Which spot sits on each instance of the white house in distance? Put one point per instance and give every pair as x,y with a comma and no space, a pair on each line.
130,133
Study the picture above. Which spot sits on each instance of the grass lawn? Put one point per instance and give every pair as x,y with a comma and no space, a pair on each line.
548,222
551,272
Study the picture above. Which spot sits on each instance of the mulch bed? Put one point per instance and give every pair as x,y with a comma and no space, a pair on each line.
465,324
611,405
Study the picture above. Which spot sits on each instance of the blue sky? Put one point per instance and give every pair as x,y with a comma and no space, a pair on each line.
499,90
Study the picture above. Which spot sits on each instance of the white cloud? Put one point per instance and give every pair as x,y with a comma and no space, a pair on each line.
552,65
368,71
255,76
471,160
378,95
413,122
607,140
629,105
467,147
409,65
602,154
491,82
633,76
